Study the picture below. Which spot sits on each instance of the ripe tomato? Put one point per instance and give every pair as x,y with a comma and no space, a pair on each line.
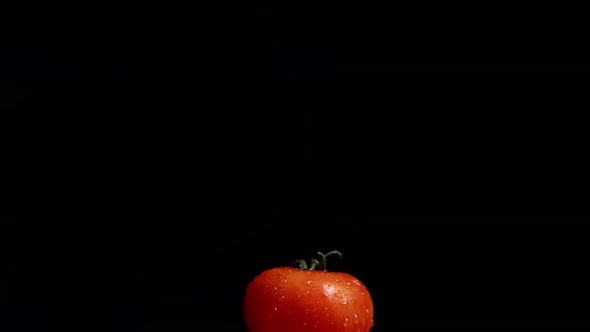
286,299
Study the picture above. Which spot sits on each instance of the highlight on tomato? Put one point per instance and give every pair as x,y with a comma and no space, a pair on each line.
307,298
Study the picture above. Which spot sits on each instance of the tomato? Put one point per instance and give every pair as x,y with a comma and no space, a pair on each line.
288,299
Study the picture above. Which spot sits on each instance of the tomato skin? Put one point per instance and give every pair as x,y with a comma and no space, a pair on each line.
287,299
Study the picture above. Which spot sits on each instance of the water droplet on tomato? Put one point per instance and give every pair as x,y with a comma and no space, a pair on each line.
340,298
303,326
306,292
363,293
276,288
355,319
306,311
309,282
325,293
284,280
317,322
345,322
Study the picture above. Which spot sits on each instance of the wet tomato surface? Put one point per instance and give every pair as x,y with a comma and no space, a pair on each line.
286,299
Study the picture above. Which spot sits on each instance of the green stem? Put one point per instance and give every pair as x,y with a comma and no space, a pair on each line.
301,264
335,252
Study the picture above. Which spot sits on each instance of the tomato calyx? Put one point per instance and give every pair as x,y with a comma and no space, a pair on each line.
315,264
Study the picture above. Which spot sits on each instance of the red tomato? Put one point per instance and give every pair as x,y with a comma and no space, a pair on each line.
286,299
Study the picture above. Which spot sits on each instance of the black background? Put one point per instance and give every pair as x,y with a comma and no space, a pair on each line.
155,158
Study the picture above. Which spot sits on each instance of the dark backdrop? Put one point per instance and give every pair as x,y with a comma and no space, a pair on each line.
156,158
159,222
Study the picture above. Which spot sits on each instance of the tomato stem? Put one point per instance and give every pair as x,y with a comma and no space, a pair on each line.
335,252
302,264
314,264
